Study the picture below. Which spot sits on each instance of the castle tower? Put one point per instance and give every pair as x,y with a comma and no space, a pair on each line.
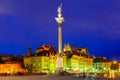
59,20
67,47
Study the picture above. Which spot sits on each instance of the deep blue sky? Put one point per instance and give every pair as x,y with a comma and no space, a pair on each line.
93,24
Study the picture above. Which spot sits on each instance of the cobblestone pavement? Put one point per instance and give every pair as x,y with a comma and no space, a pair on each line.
44,77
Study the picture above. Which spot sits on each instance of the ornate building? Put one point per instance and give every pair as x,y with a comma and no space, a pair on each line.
75,60
78,60
44,60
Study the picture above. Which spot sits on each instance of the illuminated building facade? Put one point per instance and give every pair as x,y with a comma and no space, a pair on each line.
78,60
101,64
44,60
11,68
11,65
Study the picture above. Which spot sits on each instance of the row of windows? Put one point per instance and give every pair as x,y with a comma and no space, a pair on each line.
97,64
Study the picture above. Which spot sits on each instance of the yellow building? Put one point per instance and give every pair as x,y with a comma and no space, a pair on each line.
43,61
101,65
78,60
11,68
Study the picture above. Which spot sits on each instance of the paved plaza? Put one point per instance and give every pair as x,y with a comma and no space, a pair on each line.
44,77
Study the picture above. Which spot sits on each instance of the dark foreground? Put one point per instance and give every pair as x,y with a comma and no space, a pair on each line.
45,77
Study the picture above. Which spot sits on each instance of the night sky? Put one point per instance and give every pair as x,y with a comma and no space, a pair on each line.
92,24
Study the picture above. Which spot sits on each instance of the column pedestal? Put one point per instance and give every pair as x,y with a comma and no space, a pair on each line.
59,65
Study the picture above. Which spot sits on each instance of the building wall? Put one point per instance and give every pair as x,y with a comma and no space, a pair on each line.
75,62
102,67
36,64
88,64
53,63
80,63
11,68
44,64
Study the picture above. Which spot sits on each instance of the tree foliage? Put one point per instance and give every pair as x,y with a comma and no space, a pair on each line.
1,61
114,66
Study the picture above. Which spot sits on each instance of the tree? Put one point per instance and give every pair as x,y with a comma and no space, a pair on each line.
1,61
29,67
114,66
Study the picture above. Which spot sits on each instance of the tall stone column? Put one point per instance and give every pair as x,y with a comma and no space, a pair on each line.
59,38
59,20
